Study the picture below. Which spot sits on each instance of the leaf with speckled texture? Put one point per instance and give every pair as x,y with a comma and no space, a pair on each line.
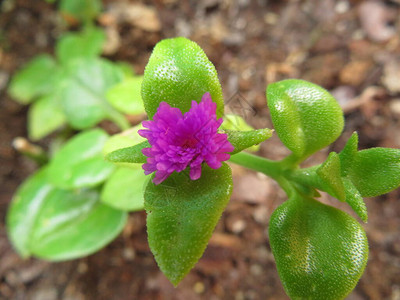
320,251
330,174
181,216
241,140
376,171
355,200
306,117
348,154
131,154
177,73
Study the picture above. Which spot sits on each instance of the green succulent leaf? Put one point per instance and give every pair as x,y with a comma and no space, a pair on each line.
177,73
355,200
306,117
37,78
53,224
79,163
320,251
375,171
124,189
129,154
330,174
126,97
181,216
83,94
348,154
241,140
127,138
45,115
85,44
235,122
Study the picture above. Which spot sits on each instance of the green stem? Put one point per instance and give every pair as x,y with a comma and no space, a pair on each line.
274,169
34,152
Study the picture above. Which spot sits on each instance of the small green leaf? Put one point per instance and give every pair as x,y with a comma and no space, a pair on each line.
330,173
241,140
124,189
84,89
80,163
85,44
177,73
306,117
23,209
126,97
83,10
376,171
45,116
37,78
355,200
181,216
124,139
72,225
320,251
56,224
129,154
348,154
235,122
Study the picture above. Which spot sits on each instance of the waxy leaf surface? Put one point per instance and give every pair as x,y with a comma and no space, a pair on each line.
320,251
181,216
177,73
306,117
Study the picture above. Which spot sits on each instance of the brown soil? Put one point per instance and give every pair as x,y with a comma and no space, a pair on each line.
350,47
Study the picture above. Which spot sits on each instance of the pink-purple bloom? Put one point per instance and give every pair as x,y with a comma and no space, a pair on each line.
179,141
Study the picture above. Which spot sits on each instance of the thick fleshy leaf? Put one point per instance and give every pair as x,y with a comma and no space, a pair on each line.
376,171
82,10
124,189
330,174
177,73
56,224
306,117
348,153
35,79
129,154
355,200
320,251
125,139
85,44
237,123
126,96
45,115
84,89
241,140
80,163
181,216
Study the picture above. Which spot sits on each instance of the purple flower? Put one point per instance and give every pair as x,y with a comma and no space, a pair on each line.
178,141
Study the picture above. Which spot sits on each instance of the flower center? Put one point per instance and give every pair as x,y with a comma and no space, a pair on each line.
189,143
